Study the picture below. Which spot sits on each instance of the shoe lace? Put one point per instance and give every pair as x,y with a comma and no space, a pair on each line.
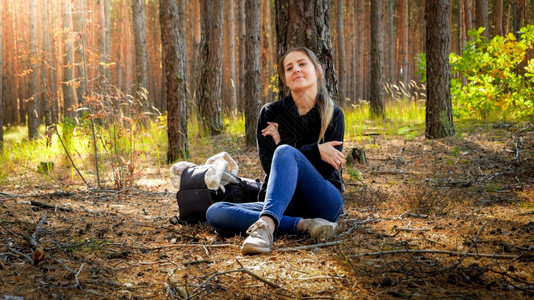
259,229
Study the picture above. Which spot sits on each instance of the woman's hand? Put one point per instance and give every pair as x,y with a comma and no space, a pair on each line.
272,130
330,154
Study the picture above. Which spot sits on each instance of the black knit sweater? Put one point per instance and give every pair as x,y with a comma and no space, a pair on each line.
301,132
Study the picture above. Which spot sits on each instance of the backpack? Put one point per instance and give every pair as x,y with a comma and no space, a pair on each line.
194,198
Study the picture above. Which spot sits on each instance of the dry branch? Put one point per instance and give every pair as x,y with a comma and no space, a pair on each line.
411,229
187,245
34,240
309,246
44,205
431,251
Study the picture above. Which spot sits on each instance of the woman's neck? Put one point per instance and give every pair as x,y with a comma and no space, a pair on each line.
305,100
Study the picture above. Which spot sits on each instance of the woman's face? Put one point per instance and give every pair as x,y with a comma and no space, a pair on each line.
299,71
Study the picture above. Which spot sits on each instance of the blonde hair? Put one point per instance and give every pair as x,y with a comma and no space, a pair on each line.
324,102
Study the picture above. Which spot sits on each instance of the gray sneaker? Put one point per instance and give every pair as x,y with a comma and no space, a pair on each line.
320,229
259,240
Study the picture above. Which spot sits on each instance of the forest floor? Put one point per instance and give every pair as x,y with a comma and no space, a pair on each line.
448,218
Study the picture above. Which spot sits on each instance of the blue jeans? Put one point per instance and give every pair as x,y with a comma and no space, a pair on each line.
295,190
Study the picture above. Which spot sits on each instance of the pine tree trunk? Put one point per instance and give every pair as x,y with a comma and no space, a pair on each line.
32,108
391,46
498,13
68,65
341,54
78,20
1,79
141,59
267,45
482,16
439,121
307,23
229,84
404,32
359,52
46,61
211,66
241,94
173,56
377,62
252,71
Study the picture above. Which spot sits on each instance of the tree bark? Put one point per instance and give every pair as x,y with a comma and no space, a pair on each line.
439,122
341,53
482,16
78,20
46,60
391,45
241,95
1,79
252,71
32,108
359,52
404,32
211,71
307,23
377,62
266,46
498,13
141,59
173,56
229,83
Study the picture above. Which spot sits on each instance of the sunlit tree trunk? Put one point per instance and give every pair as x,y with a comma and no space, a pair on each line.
377,62
391,45
307,23
342,71
32,108
1,79
211,66
173,56
68,64
468,16
195,68
267,51
359,51
229,83
78,19
241,93
404,26
141,59
46,61
252,70
439,121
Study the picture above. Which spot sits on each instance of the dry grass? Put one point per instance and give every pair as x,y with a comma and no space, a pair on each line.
464,194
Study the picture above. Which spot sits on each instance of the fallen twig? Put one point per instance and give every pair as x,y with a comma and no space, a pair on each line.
186,245
34,240
309,246
44,205
77,274
528,213
431,251
411,229
21,254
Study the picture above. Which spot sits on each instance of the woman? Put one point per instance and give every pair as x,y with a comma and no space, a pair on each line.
299,143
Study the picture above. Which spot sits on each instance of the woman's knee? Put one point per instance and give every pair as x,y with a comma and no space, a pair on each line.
215,213
284,151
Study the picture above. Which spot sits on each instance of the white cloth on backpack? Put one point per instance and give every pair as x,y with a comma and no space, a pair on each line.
221,170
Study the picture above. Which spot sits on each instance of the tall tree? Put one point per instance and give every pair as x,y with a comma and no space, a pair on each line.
481,20
391,41
211,66
267,51
68,64
46,61
141,58
307,23
340,32
173,55
359,50
498,15
78,21
377,62
404,38
31,110
1,78
252,70
439,121
229,79
241,92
